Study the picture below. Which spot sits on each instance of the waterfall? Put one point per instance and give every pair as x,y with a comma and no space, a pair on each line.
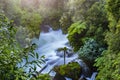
48,43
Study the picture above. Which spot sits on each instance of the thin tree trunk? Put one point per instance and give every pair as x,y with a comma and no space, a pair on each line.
64,57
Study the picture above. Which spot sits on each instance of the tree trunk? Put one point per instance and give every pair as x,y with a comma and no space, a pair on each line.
64,56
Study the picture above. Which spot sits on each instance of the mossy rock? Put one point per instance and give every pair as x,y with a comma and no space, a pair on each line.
71,70
42,77
59,77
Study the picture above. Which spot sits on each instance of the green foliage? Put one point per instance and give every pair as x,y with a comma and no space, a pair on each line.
96,15
90,51
65,22
111,67
29,18
52,12
22,36
77,27
95,25
42,77
98,22
71,70
74,11
90,19
79,8
108,64
14,60
76,33
11,8
9,50
114,8
31,60
53,19
32,21
64,50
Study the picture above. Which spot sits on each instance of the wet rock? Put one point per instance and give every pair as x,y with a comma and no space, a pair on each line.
69,54
47,59
85,69
58,77
68,78
60,53
45,28
71,70
82,78
92,76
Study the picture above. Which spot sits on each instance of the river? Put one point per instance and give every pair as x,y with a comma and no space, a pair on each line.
48,43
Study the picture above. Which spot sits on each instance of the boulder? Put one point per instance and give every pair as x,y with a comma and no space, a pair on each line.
45,28
86,71
83,78
71,70
59,77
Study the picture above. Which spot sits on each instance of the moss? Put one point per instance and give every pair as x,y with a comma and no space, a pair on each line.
71,70
42,77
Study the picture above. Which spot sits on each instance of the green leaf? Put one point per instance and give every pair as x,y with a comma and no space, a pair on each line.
37,56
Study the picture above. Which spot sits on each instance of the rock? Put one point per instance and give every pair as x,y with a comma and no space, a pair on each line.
58,77
71,70
85,69
45,28
92,77
68,78
82,78
70,53
60,53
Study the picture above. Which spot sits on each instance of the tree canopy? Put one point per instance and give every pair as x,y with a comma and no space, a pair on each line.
92,26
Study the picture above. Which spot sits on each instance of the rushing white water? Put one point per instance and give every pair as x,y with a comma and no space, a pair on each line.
51,41
48,43
93,76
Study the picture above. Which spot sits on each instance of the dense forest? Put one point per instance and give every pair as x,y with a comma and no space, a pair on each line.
92,28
